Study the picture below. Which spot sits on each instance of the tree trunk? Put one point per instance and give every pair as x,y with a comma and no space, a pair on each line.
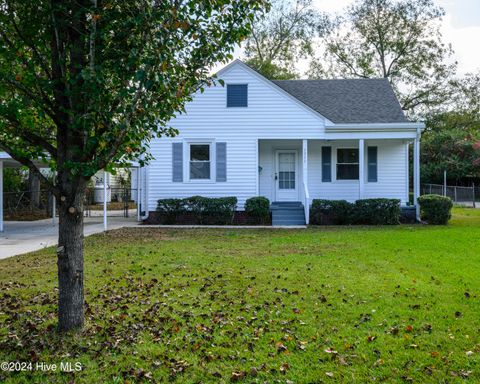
70,261
34,187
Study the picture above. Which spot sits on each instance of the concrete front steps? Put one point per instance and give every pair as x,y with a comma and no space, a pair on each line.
287,213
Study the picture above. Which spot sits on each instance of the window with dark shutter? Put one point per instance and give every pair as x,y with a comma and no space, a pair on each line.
237,95
372,164
326,164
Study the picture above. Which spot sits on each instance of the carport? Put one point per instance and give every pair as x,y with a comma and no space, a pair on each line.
7,162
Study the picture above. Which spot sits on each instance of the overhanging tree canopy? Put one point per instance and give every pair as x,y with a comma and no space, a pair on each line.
87,83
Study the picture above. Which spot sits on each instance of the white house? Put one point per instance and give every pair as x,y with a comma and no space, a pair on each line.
290,141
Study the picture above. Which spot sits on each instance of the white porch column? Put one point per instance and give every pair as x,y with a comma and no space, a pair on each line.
416,173
305,180
104,200
1,196
361,168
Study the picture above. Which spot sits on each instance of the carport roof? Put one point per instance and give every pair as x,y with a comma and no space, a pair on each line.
8,162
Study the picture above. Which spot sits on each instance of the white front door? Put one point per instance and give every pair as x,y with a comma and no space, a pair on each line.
286,175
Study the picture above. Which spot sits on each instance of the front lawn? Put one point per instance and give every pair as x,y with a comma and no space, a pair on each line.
354,305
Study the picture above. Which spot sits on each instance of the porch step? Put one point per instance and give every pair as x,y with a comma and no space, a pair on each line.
287,213
286,205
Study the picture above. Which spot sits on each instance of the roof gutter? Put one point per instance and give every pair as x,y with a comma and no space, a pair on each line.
369,127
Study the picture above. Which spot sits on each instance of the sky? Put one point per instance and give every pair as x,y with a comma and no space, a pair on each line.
460,28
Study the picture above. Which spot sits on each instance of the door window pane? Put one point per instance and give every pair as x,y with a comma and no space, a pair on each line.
286,171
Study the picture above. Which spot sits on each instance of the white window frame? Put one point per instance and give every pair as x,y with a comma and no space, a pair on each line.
186,160
336,163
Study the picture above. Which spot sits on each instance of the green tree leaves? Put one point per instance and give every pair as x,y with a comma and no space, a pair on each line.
283,37
398,40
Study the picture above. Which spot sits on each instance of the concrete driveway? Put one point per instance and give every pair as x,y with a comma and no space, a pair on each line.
27,236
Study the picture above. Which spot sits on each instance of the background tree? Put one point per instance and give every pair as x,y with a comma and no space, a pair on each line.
85,84
451,139
398,40
282,37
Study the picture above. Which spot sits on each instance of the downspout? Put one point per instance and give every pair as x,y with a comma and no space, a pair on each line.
146,187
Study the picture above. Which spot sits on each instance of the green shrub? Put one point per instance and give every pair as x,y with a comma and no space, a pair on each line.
257,210
377,211
366,211
435,209
219,210
205,210
324,212
170,209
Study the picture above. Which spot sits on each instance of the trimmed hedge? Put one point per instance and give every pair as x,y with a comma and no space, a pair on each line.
325,212
220,210
170,209
377,211
435,209
366,211
257,210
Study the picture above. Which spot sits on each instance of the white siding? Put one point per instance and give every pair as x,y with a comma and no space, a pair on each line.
270,114
392,172
271,120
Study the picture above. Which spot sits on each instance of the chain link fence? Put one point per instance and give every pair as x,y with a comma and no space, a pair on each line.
121,202
27,205
467,196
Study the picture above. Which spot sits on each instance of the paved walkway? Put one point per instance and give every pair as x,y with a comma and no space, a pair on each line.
27,236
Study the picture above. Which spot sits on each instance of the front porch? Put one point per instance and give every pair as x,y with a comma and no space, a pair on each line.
297,171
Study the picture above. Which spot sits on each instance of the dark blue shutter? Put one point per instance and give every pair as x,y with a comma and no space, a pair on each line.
221,163
372,164
326,164
177,162
237,95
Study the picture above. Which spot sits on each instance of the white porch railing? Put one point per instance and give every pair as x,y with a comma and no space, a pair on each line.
306,202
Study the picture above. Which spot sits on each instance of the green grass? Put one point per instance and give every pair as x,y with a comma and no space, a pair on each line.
329,304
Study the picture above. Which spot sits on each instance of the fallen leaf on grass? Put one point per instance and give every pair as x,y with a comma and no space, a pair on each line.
237,375
284,367
379,362
330,350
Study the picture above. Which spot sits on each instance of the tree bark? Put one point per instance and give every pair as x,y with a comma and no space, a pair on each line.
34,187
70,261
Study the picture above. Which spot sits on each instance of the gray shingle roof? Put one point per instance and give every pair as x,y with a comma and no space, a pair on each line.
348,100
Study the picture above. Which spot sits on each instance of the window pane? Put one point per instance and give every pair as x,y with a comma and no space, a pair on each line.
347,171
199,170
200,152
347,155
